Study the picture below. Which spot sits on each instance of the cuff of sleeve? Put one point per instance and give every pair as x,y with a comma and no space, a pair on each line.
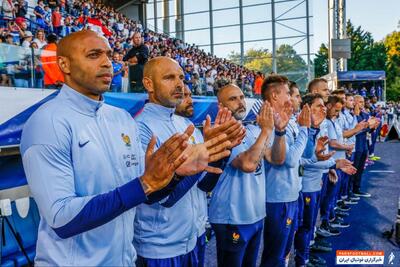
332,163
314,159
132,194
303,129
314,131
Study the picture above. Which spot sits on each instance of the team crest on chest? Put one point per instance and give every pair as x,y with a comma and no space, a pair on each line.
288,222
126,139
235,237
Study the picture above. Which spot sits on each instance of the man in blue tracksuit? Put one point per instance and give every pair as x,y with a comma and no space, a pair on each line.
208,181
361,153
166,231
237,206
311,180
350,128
377,113
185,109
336,143
85,166
282,181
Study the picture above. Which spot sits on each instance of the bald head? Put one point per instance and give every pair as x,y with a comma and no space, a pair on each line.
68,45
84,58
226,90
163,80
232,97
154,65
137,38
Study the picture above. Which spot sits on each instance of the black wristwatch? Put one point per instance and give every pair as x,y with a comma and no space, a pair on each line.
280,133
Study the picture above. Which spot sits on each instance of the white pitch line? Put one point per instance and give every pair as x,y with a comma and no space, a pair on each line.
382,171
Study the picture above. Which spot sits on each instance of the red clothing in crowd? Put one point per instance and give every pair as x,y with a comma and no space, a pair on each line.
257,85
52,73
56,19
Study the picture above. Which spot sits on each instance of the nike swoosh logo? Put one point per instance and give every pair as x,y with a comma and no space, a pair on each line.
83,144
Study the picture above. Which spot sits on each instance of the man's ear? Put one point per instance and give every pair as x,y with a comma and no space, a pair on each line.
148,84
64,64
274,95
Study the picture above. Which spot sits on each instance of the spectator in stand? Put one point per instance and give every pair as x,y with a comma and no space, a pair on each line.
118,47
56,21
40,14
8,10
363,92
248,91
62,5
27,39
37,65
23,29
137,57
22,74
67,28
40,39
47,18
118,71
257,84
14,30
20,10
188,77
53,78
196,84
209,83
9,39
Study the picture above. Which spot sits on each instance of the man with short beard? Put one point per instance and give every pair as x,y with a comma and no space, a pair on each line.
282,180
208,182
137,56
237,208
166,231
85,166
361,152
350,128
350,122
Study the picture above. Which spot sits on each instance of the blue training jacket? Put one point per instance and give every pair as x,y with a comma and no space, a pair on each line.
163,230
82,159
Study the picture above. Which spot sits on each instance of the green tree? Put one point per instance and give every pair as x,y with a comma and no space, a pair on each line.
292,65
365,53
254,59
288,62
321,65
392,45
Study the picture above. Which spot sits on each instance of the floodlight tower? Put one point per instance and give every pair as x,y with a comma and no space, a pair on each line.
339,45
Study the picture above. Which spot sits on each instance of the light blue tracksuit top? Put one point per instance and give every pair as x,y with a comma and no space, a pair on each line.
311,180
202,196
81,158
350,122
239,197
166,232
335,132
283,183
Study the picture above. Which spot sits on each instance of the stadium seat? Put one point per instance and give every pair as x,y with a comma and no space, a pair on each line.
7,263
27,228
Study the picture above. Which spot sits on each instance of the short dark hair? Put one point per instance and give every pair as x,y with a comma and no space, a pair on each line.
270,83
333,99
309,99
52,38
339,92
314,82
292,85
349,94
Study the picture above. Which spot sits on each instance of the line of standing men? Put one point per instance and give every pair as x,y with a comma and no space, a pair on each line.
106,198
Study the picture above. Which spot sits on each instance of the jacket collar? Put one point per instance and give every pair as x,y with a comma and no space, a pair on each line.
80,102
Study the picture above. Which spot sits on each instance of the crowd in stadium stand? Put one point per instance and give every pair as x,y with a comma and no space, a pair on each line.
204,73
